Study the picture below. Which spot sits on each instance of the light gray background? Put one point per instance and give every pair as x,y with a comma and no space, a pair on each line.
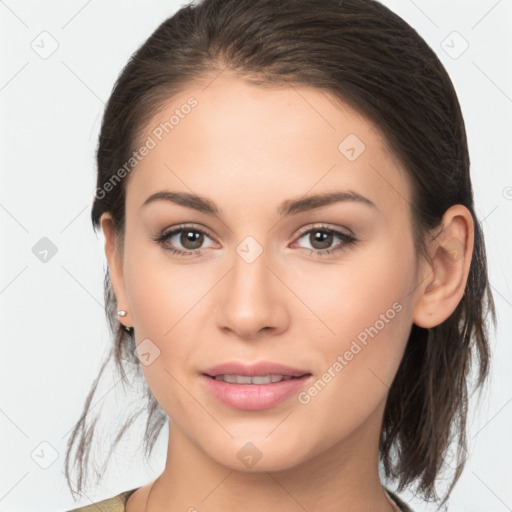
54,333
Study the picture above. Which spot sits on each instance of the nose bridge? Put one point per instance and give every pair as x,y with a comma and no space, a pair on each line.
249,281
251,299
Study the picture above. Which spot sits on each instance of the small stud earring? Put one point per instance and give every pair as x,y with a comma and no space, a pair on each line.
122,312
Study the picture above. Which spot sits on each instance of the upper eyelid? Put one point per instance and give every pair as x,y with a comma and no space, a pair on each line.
325,227
183,227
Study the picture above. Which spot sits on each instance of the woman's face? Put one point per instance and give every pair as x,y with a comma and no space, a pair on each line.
268,281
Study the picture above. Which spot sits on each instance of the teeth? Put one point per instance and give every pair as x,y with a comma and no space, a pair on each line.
257,379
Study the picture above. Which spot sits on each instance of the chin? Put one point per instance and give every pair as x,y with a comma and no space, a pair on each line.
259,453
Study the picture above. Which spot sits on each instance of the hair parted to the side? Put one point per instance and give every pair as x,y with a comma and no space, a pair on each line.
368,57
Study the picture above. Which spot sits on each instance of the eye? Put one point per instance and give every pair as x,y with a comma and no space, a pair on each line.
191,238
322,237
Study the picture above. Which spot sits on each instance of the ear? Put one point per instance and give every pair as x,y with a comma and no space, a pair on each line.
115,263
443,279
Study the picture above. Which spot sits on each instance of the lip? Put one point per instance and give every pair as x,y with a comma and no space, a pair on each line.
260,368
254,396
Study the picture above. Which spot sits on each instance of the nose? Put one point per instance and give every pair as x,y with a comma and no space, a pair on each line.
253,299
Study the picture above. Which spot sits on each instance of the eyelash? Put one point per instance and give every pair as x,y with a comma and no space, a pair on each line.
348,240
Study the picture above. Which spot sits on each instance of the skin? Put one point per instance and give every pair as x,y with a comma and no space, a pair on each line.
248,149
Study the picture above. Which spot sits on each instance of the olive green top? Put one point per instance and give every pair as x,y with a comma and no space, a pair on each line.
117,503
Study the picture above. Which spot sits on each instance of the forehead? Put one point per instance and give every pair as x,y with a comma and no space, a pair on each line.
227,136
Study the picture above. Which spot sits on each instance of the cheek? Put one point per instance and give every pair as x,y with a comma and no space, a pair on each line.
359,362
160,291
164,299
368,309
160,300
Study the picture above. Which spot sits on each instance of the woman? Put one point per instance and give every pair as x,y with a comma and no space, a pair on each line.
295,264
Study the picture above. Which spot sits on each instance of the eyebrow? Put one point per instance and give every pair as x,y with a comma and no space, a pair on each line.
288,207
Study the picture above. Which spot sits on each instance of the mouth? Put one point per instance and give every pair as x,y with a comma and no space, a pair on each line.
244,373
255,379
254,386
254,392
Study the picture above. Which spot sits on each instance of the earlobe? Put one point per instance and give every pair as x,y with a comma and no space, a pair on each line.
115,264
444,277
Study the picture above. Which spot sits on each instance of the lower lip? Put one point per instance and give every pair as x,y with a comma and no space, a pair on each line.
254,396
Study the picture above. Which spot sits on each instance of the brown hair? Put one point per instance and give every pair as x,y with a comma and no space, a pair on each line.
370,58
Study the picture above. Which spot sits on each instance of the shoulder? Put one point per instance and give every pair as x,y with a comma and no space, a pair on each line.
114,504
401,504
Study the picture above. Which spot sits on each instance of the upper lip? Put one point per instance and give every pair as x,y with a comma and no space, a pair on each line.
260,368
